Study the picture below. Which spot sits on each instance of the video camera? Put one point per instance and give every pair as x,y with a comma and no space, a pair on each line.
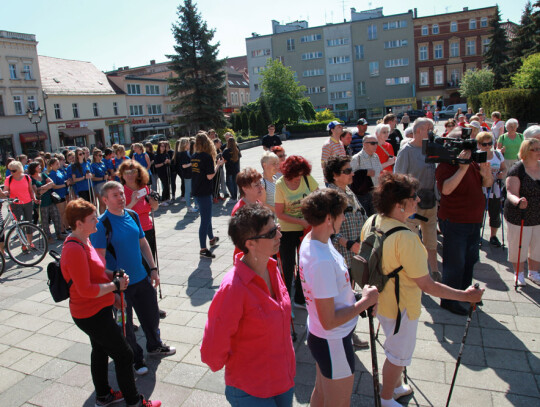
447,150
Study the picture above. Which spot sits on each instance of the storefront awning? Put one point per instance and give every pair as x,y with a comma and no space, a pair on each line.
77,132
32,136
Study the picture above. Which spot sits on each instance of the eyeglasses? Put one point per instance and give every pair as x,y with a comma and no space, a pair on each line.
373,143
131,172
486,144
346,171
269,235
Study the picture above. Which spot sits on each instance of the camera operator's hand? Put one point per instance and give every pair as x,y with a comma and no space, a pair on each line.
485,170
522,203
465,155
474,295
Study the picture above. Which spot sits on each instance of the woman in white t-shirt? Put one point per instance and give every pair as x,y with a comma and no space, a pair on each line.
331,304
270,165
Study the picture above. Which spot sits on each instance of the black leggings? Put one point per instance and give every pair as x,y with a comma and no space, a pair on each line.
290,242
107,341
165,185
494,210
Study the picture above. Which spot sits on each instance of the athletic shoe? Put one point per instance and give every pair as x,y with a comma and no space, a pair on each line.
163,350
214,241
182,199
494,241
359,343
207,253
146,403
436,276
303,306
162,314
215,200
402,391
192,210
521,280
140,368
534,276
111,398
164,204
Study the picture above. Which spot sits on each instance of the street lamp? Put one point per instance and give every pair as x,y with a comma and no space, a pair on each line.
35,121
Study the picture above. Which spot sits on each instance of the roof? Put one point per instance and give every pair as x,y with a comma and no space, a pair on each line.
68,77
456,12
511,29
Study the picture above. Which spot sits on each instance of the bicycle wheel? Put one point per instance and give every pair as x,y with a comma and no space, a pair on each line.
2,263
27,244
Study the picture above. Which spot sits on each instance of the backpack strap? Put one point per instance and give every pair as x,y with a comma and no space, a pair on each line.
307,182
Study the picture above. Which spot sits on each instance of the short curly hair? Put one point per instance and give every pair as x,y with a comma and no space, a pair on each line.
334,165
248,221
294,166
321,203
78,209
392,189
246,177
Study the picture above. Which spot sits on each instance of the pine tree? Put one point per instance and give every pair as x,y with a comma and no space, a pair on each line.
523,43
496,55
536,25
245,123
265,111
253,123
262,126
198,86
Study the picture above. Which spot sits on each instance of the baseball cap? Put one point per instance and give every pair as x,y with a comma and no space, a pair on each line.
333,124
362,122
475,124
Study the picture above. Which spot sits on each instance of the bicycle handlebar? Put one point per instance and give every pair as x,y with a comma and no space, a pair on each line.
9,200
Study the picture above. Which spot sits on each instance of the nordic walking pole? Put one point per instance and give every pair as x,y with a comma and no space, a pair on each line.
458,362
519,250
121,274
157,257
374,364
484,218
502,211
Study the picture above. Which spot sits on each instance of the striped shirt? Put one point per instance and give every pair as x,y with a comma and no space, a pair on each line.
331,147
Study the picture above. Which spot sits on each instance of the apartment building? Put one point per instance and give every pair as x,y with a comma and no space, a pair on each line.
358,68
237,90
446,46
20,90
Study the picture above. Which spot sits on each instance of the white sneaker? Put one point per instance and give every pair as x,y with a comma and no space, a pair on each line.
521,280
401,391
192,210
534,276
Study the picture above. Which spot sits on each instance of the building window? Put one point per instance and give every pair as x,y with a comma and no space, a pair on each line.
372,32
17,101
424,78
156,109
257,69
455,77
95,109
340,77
136,110
483,22
260,52
242,98
152,89
75,108
345,94
339,60
359,52
374,68
422,53
57,112
439,77
290,44
400,80
32,105
133,89
255,86
115,108
311,38
27,69
435,29
2,113
315,89
361,88
234,98
313,72
438,51
337,42
472,24
471,47
394,63
312,55
393,25
485,45
453,26
425,30
395,44
454,49
13,71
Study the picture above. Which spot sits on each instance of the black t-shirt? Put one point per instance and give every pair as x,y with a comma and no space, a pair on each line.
270,141
184,158
151,156
159,158
395,139
231,167
202,164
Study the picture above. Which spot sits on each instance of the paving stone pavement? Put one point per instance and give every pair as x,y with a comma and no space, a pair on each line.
44,358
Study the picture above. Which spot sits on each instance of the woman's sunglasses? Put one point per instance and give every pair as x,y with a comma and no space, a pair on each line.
373,143
269,235
346,171
486,144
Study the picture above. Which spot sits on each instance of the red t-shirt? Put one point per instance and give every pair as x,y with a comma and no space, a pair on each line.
142,208
384,156
467,202
19,189
87,270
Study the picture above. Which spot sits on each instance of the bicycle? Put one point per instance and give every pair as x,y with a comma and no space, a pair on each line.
25,242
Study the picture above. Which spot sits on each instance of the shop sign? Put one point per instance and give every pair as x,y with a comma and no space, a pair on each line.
117,121
397,102
138,121
154,120
84,124
72,125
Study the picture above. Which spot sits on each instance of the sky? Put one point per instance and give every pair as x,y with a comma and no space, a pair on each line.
115,33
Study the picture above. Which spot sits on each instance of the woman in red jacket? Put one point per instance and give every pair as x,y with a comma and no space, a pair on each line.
90,303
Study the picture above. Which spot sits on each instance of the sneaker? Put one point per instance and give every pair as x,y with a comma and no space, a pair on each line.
303,306
207,253
192,210
214,241
164,204
146,403
25,249
521,280
163,350
359,343
111,398
140,368
215,200
402,391
182,199
494,241
534,276
436,276
162,314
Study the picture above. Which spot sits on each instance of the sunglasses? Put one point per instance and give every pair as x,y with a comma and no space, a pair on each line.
486,144
346,171
269,235
373,143
130,172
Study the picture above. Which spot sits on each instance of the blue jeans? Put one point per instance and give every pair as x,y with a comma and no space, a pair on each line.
205,209
187,191
461,248
232,186
239,398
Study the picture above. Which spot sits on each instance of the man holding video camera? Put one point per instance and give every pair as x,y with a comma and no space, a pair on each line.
460,218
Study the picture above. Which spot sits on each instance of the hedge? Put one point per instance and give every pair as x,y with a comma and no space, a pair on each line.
307,127
521,104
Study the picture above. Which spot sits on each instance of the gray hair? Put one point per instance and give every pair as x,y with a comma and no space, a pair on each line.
532,131
512,122
267,157
380,127
110,185
421,122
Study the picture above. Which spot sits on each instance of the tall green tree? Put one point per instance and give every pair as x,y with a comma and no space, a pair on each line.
308,109
262,125
245,122
198,86
536,24
496,55
524,42
253,122
475,82
528,76
282,92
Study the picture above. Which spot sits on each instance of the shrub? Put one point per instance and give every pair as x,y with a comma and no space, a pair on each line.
325,115
307,127
239,139
521,104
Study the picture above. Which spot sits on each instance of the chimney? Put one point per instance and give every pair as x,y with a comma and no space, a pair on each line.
152,62
126,68
415,15
465,8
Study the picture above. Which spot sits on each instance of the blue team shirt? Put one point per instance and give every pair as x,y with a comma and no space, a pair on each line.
99,170
83,184
125,237
108,164
59,178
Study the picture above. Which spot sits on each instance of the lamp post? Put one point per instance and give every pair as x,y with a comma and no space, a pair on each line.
35,120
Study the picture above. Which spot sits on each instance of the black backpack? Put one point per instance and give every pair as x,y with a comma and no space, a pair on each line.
58,286
108,230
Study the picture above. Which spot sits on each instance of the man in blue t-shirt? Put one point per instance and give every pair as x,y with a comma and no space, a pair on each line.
127,246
